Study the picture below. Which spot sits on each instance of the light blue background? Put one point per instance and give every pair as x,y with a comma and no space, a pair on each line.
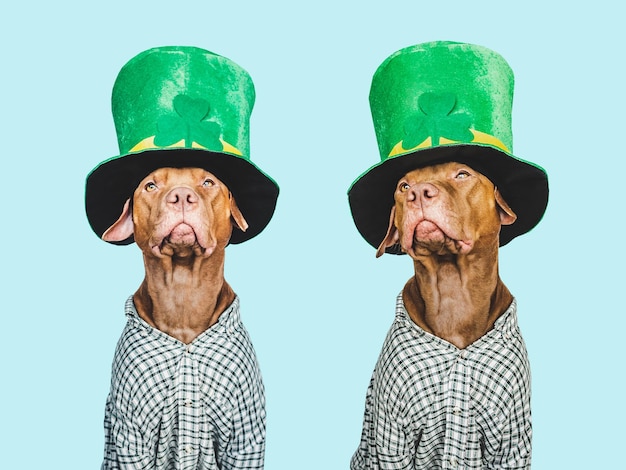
316,301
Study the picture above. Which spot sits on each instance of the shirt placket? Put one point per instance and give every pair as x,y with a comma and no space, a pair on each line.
188,410
457,402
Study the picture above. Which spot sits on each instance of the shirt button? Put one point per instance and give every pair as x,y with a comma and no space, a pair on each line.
457,411
188,449
454,462
188,403
463,354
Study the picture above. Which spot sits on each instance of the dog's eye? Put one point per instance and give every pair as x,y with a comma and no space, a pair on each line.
208,183
462,174
404,187
150,186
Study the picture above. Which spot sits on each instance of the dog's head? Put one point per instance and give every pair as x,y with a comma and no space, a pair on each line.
178,211
446,209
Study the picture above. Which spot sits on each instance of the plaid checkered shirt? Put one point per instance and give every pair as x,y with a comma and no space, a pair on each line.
177,406
430,405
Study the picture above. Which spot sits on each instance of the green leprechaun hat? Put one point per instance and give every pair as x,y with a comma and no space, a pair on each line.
440,102
181,107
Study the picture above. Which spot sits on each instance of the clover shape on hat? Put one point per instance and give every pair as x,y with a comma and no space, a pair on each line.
436,121
188,124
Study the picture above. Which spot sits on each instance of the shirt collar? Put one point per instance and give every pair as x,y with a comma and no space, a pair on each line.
228,322
504,327
507,322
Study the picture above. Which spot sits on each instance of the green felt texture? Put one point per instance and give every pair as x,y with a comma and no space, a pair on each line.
441,87
183,93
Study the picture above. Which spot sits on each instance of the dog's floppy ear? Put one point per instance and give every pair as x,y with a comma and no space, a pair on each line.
507,216
392,237
122,228
236,215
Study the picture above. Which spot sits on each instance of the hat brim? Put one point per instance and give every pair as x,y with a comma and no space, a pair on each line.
523,185
112,182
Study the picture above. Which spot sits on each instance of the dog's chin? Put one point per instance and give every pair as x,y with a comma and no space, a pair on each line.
429,239
177,250
181,242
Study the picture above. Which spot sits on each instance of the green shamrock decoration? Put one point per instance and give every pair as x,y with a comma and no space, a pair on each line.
436,121
188,124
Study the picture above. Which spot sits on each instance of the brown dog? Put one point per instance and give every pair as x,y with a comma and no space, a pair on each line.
451,388
181,220
447,218
186,387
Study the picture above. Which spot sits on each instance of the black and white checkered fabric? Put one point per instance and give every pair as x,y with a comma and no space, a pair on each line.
174,406
431,405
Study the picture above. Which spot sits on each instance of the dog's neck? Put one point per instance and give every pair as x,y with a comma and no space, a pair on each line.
457,297
183,296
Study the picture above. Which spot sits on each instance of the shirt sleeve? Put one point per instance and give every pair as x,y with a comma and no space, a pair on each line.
514,451
360,458
123,445
384,442
246,446
110,458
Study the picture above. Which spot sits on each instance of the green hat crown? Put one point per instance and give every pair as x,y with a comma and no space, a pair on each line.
183,97
181,107
440,102
442,93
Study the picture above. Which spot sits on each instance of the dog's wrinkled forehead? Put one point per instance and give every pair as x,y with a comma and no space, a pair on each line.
173,174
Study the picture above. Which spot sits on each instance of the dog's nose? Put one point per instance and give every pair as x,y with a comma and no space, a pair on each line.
423,191
182,199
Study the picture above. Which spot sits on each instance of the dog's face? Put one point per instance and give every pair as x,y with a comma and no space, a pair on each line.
446,209
178,211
